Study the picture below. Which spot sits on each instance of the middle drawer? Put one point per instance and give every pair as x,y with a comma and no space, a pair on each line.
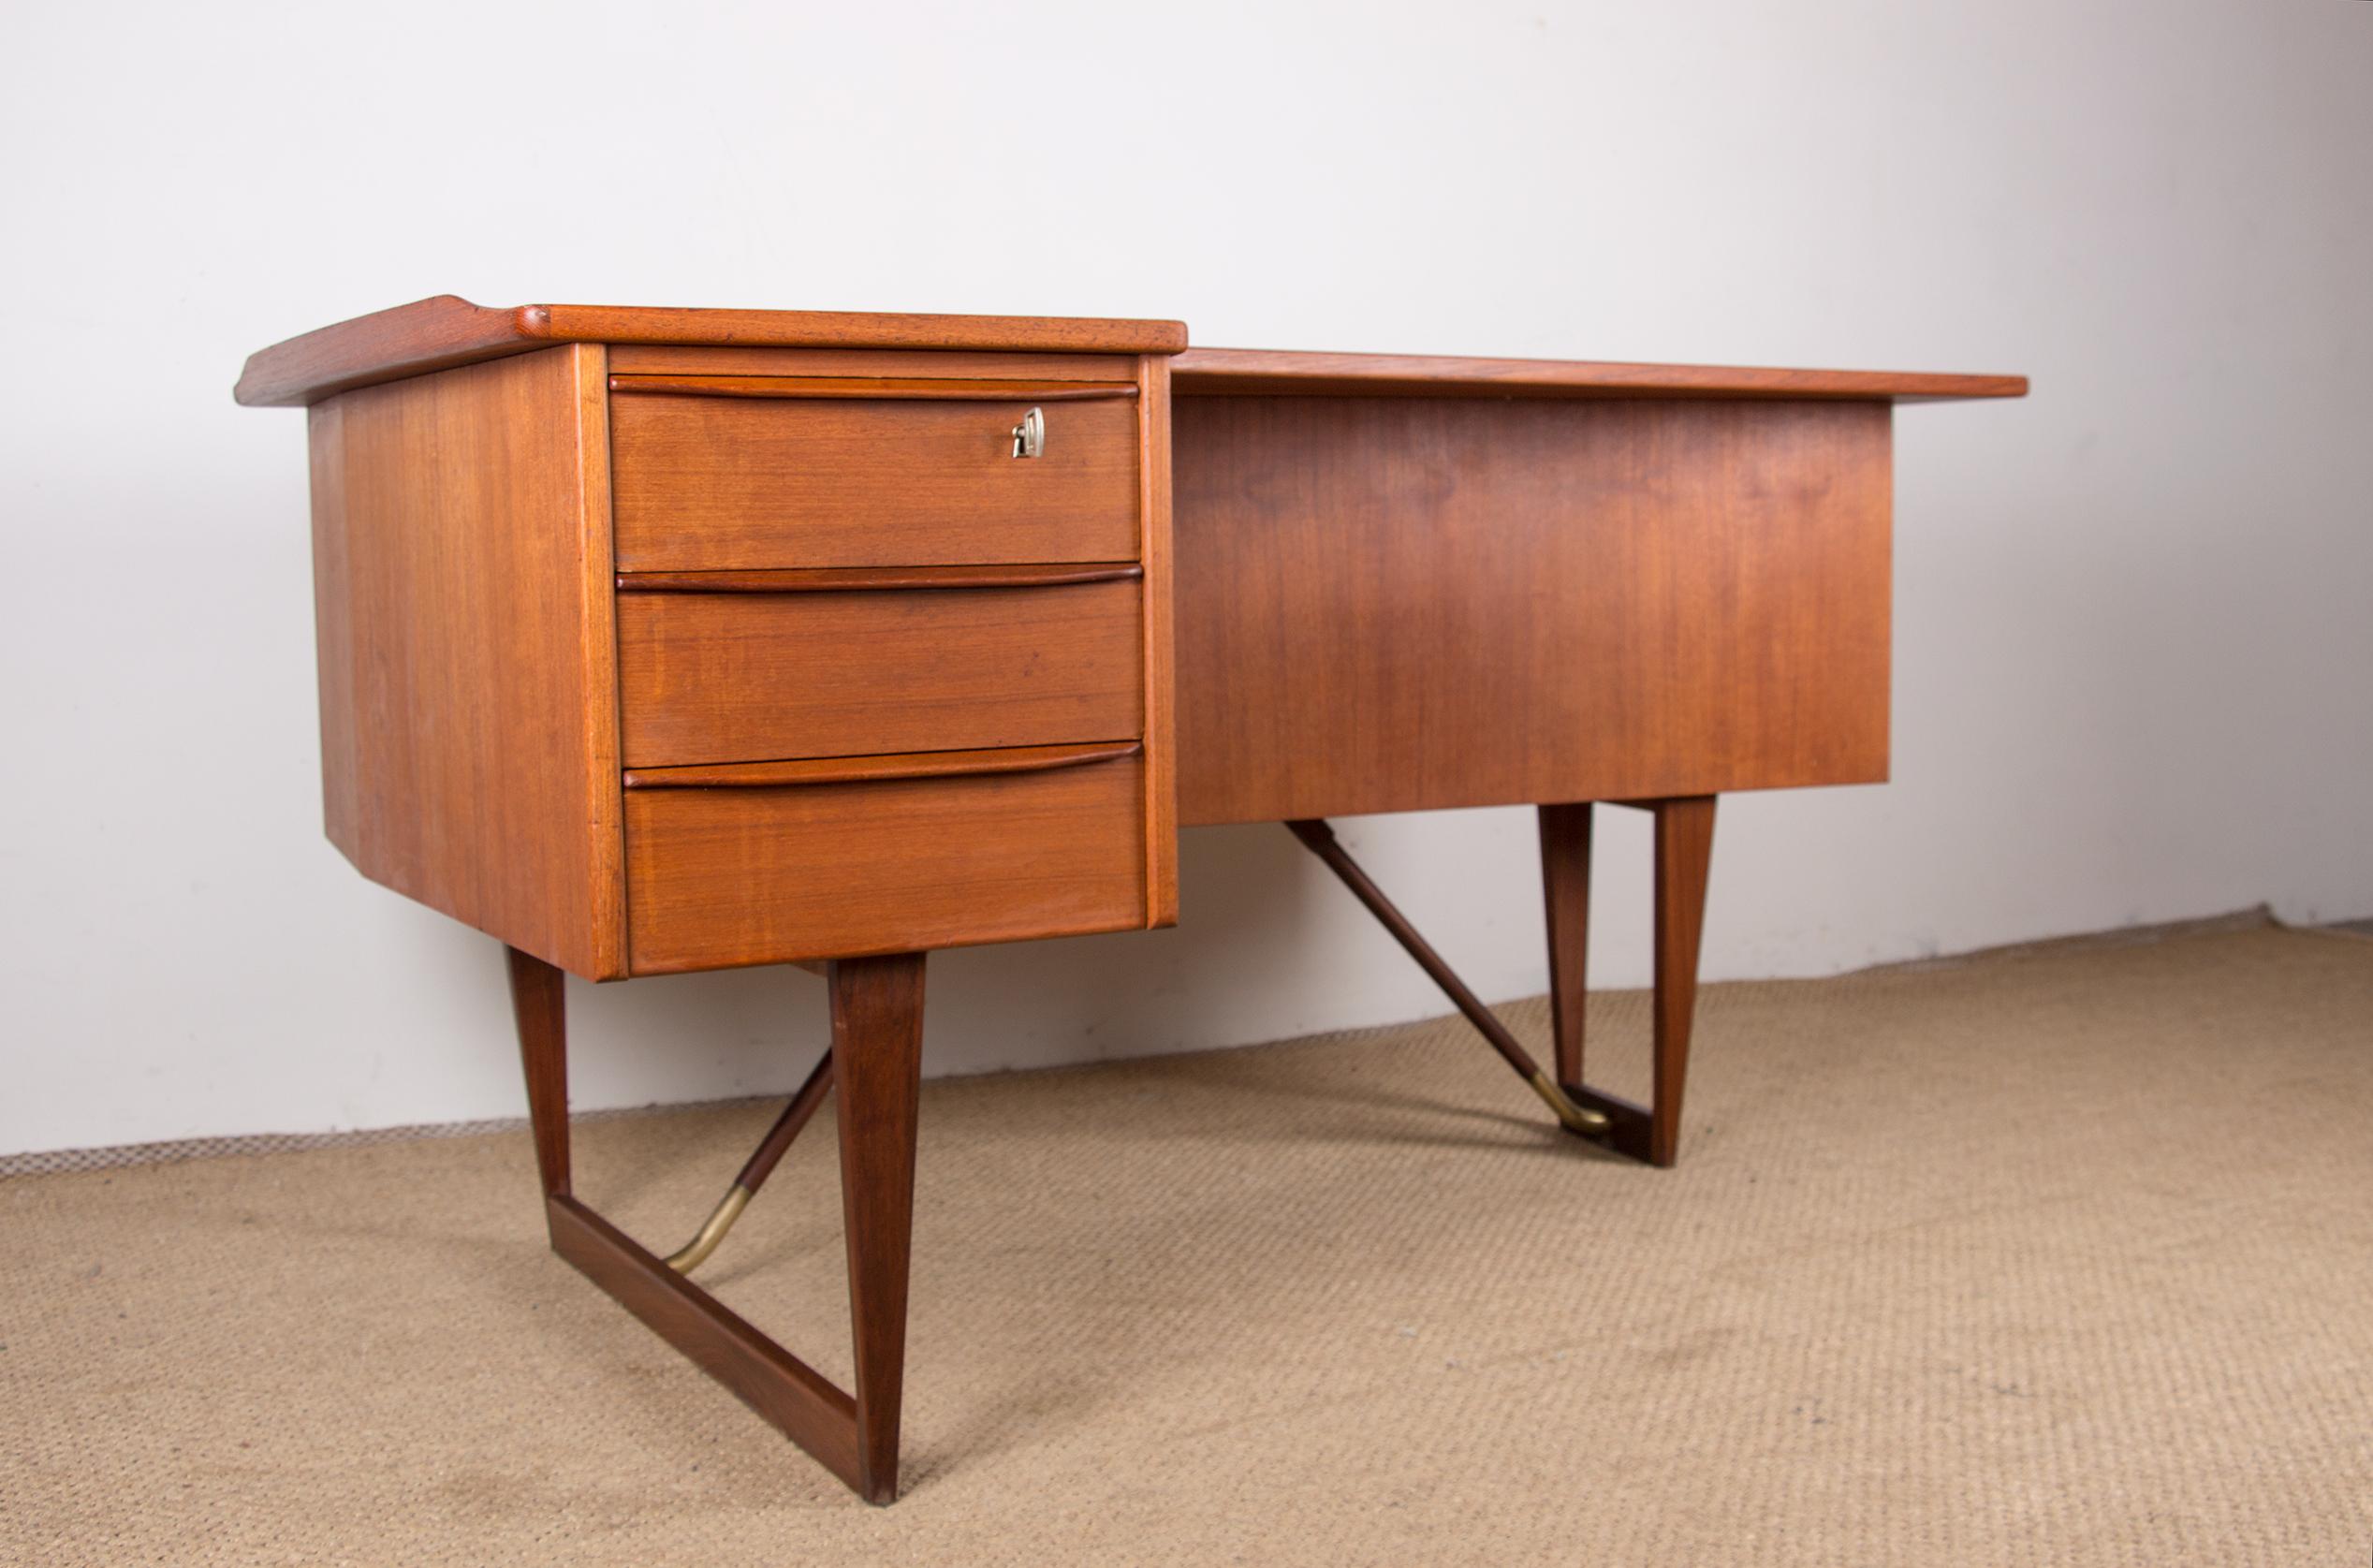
738,677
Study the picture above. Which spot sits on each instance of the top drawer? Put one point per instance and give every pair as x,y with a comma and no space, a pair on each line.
742,472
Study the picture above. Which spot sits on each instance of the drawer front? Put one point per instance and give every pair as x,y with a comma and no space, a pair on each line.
709,677
725,876
755,482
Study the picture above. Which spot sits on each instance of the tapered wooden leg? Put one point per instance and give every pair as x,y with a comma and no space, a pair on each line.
1684,855
539,1002
1566,885
1684,852
877,1051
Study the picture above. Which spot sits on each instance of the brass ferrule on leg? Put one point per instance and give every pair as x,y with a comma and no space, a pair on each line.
1575,1119
696,1251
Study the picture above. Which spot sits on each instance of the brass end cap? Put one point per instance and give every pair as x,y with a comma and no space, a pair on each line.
1574,1117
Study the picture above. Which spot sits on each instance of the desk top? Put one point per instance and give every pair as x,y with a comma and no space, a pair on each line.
1274,372
446,330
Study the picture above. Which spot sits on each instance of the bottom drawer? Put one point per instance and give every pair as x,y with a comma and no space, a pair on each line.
739,875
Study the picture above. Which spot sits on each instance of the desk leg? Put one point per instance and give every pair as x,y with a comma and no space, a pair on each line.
1684,857
1565,885
540,1003
877,1078
878,1041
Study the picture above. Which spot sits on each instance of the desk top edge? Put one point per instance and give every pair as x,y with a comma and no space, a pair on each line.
445,330
1281,373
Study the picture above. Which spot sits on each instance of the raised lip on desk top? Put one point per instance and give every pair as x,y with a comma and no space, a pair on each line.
446,330
440,332
1281,373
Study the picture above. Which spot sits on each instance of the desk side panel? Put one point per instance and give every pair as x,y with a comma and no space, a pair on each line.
1407,603
468,653
1161,674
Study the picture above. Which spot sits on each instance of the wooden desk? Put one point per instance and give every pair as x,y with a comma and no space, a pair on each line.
656,641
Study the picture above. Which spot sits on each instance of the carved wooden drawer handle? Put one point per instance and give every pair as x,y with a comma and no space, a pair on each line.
875,769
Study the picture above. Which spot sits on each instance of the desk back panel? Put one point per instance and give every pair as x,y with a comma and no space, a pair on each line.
1399,603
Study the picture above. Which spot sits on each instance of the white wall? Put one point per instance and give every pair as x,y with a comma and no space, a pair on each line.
2136,611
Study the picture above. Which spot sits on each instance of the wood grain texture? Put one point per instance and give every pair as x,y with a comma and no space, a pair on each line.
821,579
1155,548
427,335
1271,372
940,388
727,677
539,1004
793,1398
867,364
776,328
877,1048
445,330
1403,604
468,660
859,769
721,877
729,484
1565,883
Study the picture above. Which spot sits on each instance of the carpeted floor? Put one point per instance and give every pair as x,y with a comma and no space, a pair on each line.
2055,1256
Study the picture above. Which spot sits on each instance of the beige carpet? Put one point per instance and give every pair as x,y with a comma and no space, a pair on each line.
2063,1256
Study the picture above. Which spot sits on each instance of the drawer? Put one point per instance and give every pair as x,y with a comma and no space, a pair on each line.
722,676
768,873
756,472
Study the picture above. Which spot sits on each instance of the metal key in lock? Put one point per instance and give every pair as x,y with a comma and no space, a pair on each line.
1030,436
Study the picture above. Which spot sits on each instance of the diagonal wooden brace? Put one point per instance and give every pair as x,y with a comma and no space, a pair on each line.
1684,848
1320,839
770,1150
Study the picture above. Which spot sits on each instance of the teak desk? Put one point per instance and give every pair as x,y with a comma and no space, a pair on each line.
670,639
